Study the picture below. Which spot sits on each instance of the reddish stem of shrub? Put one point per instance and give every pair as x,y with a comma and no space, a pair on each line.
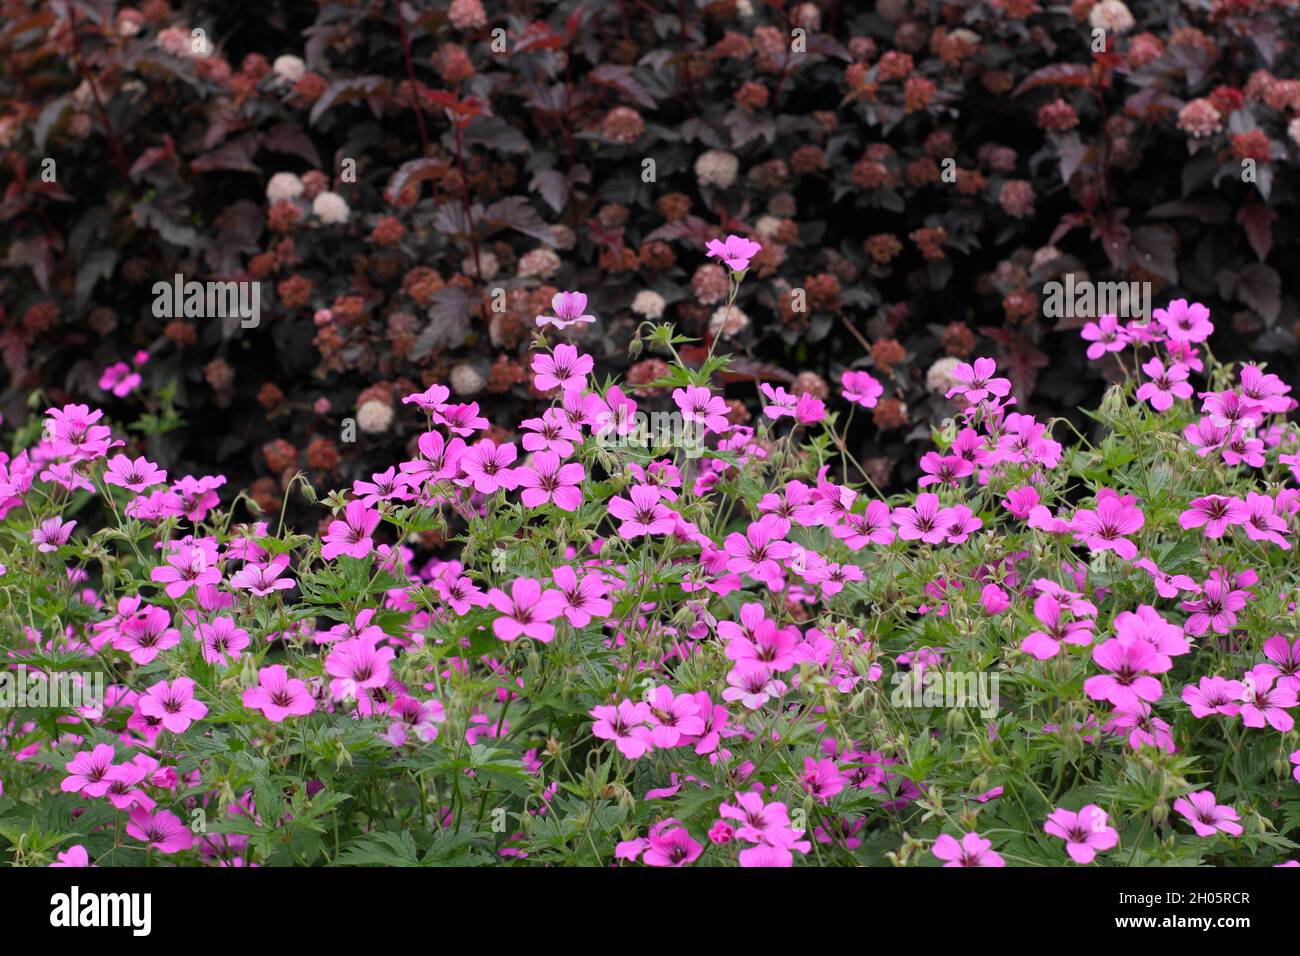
465,200
405,39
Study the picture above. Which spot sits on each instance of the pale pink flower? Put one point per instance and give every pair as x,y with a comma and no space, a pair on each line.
977,382
570,308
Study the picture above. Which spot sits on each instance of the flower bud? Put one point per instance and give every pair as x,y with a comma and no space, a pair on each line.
1160,813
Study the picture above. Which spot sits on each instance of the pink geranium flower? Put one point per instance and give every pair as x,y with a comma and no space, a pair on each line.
1206,816
1214,695
570,308
458,591
198,496
779,402
119,380
420,717
564,369
485,467
386,485
527,611
278,696
698,404
1057,628
759,639
351,536
872,526
1020,501
960,524
977,382
1263,522
1167,585
263,579
1165,385
1266,390
670,845
552,432
752,684
547,480
222,640
644,514
1215,513
861,388
1263,704
674,718
1285,658
73,433
73,856
1131,662
88,772
161,830
1104,335
357,666
758,552
52,534
173,704
1105,528
463,420
973,850
1216,607
1085,833
626,726
993,599
924,521
584,597
821,779
134,475
943,469
146,633
188,567
758,821
123,790
735,251
1185,323
431,399
1146,624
